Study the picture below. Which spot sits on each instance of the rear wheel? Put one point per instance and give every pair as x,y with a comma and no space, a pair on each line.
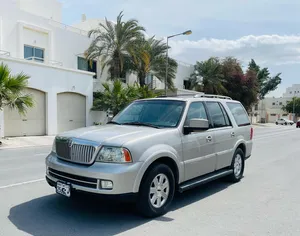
156,191
285,123
238,166
276,123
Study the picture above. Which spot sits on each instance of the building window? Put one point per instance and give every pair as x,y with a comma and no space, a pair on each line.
33,53
186,84
291,92
273,103
273,114
84,64
280,103
256,107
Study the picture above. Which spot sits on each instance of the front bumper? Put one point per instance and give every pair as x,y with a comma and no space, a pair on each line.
88,178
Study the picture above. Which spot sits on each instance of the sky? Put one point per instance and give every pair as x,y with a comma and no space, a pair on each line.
266,30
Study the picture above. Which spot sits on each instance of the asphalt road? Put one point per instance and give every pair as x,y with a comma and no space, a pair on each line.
265,202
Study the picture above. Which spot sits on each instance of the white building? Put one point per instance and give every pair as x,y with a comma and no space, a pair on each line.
270,109
33,41
293,91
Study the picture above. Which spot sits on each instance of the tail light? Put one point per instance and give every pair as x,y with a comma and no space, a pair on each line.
251,133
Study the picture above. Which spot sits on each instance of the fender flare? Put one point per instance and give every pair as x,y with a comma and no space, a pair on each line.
153,154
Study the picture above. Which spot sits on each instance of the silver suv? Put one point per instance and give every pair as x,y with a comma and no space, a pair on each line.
153,148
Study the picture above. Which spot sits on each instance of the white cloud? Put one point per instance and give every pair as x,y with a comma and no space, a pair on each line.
267,49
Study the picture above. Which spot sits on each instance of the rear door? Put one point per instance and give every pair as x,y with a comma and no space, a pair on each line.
225,137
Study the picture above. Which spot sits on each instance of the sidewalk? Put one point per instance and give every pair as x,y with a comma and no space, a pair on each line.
30,141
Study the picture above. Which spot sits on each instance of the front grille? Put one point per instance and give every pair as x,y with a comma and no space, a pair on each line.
75,151
74,179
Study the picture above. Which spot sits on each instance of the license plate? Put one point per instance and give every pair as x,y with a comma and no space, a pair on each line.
63,189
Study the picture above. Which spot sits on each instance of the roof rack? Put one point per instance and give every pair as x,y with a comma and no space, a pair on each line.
195,95
179,95
212,96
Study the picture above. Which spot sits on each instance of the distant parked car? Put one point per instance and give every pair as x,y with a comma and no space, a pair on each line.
284,121
298,124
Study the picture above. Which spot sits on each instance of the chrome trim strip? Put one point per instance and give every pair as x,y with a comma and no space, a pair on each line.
77,180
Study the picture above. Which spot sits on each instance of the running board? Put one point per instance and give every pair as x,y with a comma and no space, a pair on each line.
204,179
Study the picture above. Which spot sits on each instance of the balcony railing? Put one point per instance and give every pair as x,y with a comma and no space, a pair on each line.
68,27
4,53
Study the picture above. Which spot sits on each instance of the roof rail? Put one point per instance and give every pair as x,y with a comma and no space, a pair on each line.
212,96
179,95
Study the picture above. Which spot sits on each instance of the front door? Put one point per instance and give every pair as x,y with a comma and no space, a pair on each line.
198,147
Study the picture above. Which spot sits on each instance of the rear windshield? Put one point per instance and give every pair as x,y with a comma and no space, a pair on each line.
239,113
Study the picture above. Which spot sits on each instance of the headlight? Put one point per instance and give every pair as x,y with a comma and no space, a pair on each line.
54,146
114,155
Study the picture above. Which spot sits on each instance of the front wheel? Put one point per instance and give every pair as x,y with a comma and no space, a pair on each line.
276,123
238,166
285,123
156,191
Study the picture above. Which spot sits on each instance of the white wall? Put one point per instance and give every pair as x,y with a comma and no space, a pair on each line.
60,42
53,80
183,73
50,9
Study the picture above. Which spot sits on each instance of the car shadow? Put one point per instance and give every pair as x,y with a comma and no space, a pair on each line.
57,215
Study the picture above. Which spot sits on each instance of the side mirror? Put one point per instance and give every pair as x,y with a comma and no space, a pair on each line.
196,125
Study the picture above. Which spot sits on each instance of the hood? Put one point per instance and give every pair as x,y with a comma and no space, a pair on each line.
111,134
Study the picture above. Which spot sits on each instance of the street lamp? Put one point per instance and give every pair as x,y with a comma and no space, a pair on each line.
188,32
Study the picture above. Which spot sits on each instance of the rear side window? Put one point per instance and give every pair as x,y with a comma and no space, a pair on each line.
218,117
239,113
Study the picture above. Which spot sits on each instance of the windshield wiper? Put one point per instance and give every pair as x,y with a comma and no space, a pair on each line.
141,124
113,122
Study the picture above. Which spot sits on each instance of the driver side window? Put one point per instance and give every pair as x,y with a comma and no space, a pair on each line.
196,111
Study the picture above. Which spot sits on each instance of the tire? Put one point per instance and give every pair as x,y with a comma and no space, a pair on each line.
144,205
276,123
238,158
285,123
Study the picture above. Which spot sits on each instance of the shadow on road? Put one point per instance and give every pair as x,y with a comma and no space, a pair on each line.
56,215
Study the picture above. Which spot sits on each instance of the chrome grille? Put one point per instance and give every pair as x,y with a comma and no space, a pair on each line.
82,153
75,150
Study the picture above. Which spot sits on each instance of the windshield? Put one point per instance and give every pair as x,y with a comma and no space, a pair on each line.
159,113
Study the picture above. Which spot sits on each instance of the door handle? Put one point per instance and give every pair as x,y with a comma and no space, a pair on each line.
232,134
209,138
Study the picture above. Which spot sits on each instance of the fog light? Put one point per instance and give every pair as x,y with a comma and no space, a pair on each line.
106,184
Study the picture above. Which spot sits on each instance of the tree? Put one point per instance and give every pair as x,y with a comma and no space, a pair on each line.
150,59
225,77
239,85
114,44
289,107
12,90
117,96
266,83
212,76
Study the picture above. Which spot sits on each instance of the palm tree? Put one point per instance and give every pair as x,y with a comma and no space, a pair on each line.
114,44
212,76
116,96
151,59
12,90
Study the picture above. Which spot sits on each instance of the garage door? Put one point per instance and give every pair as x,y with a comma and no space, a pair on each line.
33,123
71,111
